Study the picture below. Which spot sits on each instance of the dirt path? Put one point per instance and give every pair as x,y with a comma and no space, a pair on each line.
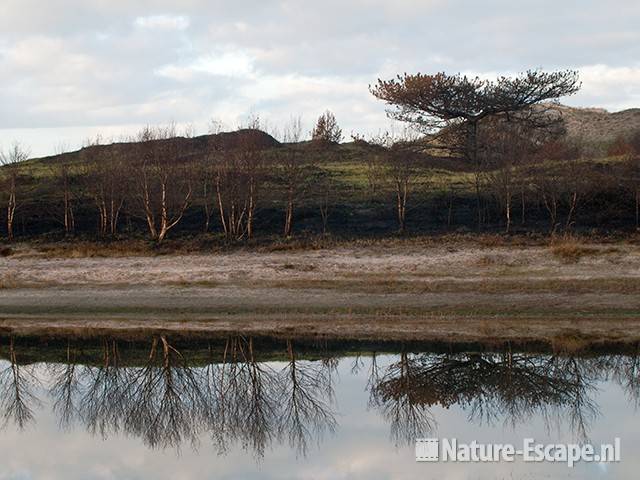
392,292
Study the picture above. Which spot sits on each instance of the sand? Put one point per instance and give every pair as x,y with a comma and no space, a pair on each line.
380,291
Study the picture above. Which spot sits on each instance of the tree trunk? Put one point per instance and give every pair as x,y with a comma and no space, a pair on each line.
324,213
11,209
508,211
114,215
288,221
251,207
167,223
221,206
69,222
473,146
637,208
450,209
401,197
150,217
523,204
552,208
164,218
572,208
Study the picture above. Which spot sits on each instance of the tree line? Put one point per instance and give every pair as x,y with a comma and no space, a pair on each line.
500,143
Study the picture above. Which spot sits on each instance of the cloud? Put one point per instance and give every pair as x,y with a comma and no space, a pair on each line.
163,22
93,64
616,88
227,64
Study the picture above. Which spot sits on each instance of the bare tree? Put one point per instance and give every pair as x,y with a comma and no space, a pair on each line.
292,165
400,159
237,177
326,192
324,186
106,182
252,163
560,178
12,163
230,197
373,162
164,180
508,148
207,183
402,165
374,168
66,176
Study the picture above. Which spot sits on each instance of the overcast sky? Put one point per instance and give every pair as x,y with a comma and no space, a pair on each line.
72,68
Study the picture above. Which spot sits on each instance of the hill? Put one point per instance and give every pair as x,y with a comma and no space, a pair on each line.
366,193
597,126
188,147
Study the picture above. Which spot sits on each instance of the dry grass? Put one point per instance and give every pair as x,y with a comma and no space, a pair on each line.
570,343
377,284
501,261
560,334
204,283
8,281
571,250
208,243
93,249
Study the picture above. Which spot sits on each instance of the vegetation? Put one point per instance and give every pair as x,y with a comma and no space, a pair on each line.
486,155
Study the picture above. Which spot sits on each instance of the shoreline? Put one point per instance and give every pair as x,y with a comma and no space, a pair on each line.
560,332
452,292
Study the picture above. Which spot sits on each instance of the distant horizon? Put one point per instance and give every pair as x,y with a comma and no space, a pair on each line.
63,147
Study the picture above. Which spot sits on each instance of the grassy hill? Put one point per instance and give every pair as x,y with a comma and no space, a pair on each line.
351,181
597,126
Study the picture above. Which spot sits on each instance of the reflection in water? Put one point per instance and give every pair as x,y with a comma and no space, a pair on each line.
400,395
510,386
16,386
234,394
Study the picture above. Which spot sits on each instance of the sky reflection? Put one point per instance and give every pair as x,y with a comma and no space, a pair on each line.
161,411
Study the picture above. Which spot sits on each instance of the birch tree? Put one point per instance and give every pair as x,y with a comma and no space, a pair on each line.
11,161
163,181
292,168
238,175
106,183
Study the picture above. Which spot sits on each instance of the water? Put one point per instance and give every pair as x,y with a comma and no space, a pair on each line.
244,408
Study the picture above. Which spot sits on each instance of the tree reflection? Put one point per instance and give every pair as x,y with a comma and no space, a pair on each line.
233,396
625,370
307,394
164,401
17,399
65,387
490,387
167,403
403,403
246,402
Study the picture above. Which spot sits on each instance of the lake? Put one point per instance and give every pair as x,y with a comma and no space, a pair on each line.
242,407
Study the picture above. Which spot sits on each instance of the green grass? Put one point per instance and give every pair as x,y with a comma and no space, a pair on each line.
354,207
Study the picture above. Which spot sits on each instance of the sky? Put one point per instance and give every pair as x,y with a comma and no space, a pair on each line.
73,69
